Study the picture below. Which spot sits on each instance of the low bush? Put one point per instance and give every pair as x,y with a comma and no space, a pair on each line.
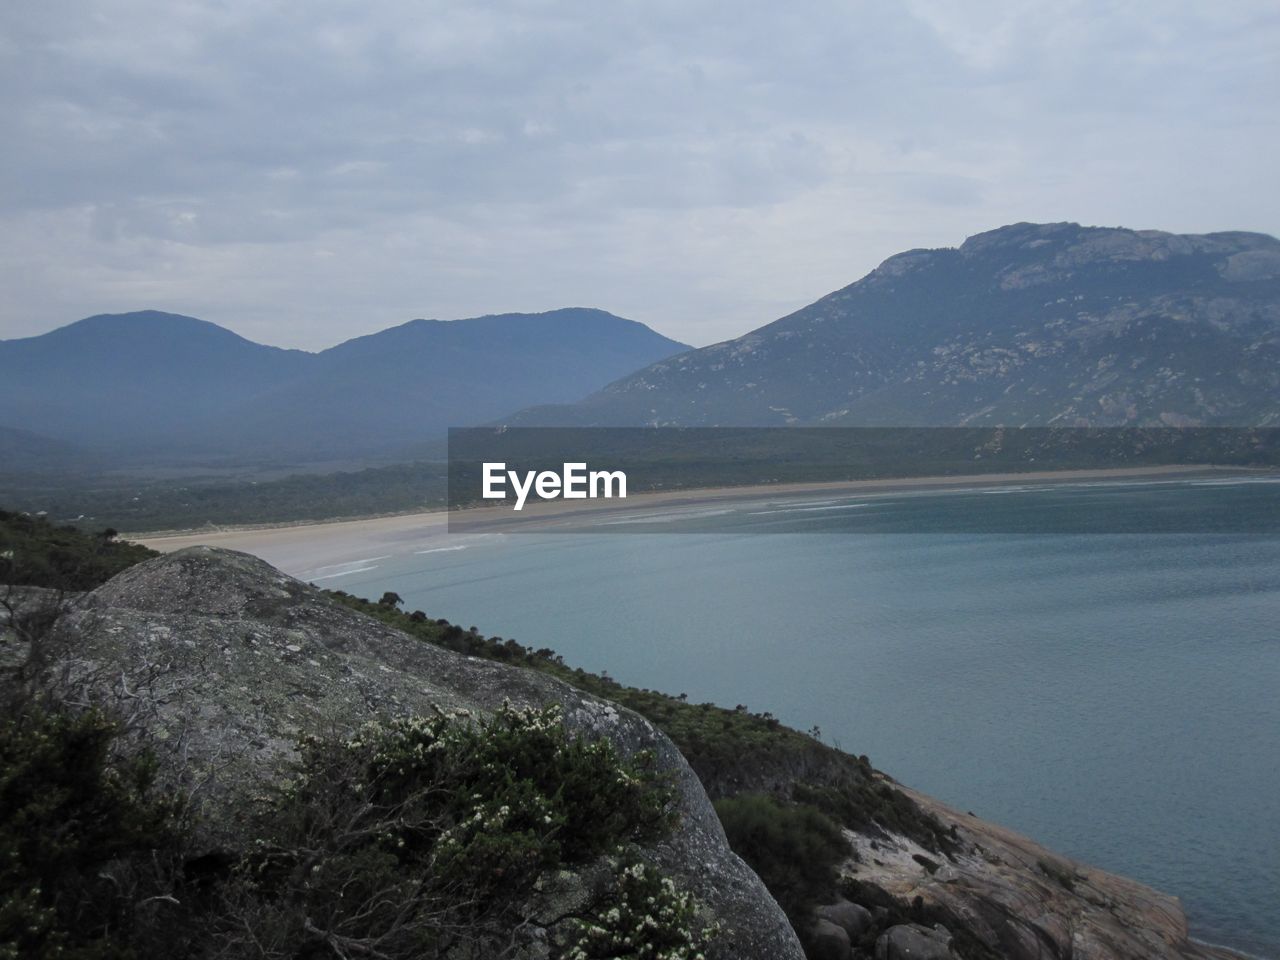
794,848
89,848
420,838
645,915
426,838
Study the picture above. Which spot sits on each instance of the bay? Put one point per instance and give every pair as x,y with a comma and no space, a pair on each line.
1114,696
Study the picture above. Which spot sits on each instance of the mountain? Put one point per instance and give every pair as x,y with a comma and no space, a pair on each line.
414,381
125,378
1029,324
27,452
163,385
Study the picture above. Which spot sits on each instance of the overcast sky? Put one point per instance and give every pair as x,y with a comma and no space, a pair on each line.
307,171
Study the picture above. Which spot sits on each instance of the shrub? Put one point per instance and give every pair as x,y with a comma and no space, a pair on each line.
794,848
36,553
88,846
645,916
426,836
419,838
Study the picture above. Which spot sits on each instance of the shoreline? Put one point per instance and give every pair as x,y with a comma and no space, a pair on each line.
332,549
318,547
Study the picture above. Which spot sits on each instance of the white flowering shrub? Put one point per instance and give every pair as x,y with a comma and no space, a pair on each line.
424,837
646,917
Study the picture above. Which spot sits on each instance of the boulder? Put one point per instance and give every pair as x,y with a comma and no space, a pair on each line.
913,941
854,919
224,662
828,941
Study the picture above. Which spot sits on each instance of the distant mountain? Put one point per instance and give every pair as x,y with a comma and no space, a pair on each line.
414,381
22,451
159,384
127,378
1030,324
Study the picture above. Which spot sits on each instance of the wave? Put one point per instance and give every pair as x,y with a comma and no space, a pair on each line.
668,517
343,569
838,506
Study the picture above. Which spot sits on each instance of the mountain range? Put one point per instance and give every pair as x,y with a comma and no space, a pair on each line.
1025,325
164,385
1029,324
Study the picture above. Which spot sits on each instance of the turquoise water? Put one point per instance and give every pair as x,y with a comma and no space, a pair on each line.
1113,696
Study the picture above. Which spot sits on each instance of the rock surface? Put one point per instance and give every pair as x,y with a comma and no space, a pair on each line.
914,941
226,661
853,918
828,941
1020,900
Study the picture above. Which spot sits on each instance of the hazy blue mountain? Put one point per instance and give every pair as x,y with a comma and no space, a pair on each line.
22,451
125,378
163,385
411,382
1027,324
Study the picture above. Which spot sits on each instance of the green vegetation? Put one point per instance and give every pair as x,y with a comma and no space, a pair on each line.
666,460
419,839
724,746
653,460
34,552
645,916
412,839
794,848
201,502
88,846
427,838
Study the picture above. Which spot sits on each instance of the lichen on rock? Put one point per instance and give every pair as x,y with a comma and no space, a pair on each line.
225,663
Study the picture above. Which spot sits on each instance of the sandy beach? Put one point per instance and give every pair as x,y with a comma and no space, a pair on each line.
330,549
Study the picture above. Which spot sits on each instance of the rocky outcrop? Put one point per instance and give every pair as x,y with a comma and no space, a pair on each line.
1012,897
224,662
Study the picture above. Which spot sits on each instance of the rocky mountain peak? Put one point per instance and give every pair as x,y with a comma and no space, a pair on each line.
1020,236
1031,324
1049,251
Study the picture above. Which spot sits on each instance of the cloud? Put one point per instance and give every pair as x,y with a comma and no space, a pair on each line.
307,172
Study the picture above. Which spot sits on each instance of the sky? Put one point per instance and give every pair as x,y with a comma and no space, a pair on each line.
306,171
